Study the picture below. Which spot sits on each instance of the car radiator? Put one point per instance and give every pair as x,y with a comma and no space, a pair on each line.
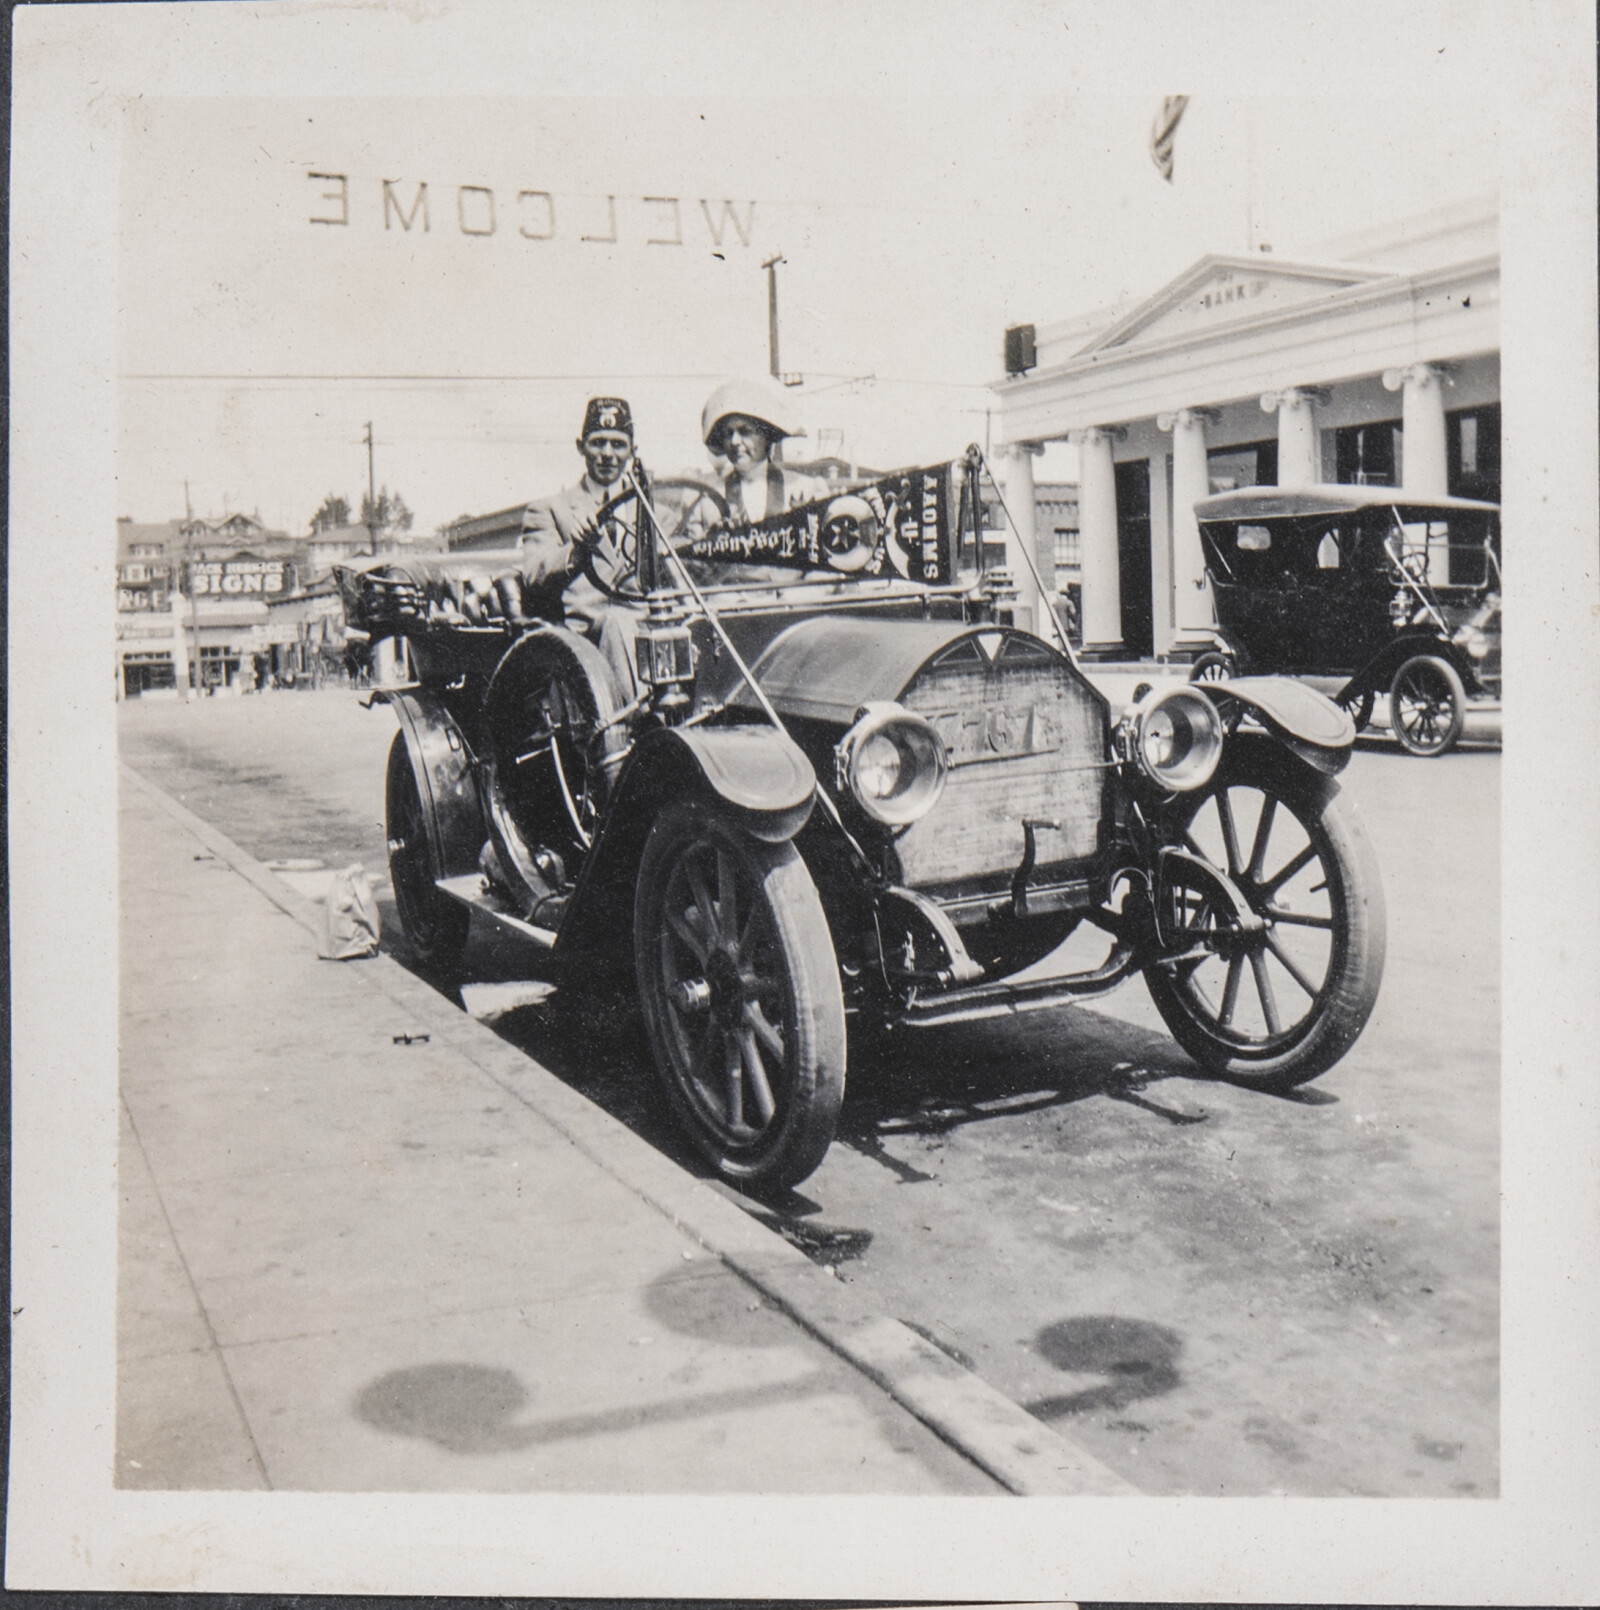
1027,740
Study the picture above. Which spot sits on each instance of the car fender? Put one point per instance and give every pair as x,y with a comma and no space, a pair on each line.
754,771
1310,725
442,766
1379,671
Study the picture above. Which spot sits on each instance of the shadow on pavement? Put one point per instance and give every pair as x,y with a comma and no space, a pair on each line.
1139,1360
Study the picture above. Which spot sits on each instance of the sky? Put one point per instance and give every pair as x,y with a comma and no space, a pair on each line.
257,338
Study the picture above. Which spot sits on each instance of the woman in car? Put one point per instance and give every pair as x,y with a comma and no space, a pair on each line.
740,424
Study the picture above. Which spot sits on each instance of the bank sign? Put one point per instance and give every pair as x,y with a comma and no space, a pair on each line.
240,578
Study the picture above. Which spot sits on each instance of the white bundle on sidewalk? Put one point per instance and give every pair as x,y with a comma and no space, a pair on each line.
350,923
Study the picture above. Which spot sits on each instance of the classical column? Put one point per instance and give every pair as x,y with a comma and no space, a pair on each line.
1097,536
1299,456
1426,464
1191,481
1016,471
1162,613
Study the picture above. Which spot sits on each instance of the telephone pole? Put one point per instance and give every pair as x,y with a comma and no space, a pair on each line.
372,498
771,266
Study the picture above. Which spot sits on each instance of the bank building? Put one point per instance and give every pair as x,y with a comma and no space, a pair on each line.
1374,359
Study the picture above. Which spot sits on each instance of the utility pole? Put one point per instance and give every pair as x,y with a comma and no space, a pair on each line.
197,686
771,266
372,498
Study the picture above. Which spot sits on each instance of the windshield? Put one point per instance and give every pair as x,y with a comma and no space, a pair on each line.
1451,547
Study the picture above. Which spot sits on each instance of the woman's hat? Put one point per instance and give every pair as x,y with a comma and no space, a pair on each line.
754,401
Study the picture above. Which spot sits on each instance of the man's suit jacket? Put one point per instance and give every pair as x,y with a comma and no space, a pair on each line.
551,548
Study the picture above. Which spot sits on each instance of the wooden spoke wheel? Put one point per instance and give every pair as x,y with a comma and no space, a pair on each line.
1217,666
741,995
1275,1005
1427,705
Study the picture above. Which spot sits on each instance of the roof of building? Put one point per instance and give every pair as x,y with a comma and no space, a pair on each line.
165,534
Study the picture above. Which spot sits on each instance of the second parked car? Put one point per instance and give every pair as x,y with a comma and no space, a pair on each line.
1368,587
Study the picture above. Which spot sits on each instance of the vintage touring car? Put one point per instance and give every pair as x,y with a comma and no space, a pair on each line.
851,787
1372,589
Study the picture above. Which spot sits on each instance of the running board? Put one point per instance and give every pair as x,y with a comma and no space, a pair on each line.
1003,998
472,890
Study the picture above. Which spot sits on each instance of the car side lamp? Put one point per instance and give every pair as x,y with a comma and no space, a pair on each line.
664,653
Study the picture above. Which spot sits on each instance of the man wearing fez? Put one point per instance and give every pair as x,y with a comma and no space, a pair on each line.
557,531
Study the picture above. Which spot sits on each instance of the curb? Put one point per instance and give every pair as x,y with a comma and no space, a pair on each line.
1022,1454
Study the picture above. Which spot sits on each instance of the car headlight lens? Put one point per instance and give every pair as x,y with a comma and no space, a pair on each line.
1175,738
893,763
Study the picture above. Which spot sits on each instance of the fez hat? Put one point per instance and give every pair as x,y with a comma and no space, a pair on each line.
607,413
751,399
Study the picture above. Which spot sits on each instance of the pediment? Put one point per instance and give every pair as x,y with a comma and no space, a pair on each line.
1221,291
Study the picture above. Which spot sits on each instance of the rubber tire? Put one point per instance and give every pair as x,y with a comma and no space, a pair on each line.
591,699
1214,666
792,1143
1350,986
1442,672
435,926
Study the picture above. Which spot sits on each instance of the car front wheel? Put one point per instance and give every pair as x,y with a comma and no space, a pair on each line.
1427,705
1277,1002
741,996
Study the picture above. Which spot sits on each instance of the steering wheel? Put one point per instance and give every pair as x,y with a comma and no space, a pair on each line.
684,507
615,570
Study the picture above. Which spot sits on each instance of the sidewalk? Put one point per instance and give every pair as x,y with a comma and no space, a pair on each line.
365,1245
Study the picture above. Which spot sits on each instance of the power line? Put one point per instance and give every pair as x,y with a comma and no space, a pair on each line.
437,379
607,375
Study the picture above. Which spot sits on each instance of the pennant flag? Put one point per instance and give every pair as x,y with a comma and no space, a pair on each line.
1163,131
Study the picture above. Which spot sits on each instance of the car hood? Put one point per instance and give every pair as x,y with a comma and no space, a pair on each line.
826,667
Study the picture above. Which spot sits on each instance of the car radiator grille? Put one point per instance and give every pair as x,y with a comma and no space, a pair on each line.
1027,741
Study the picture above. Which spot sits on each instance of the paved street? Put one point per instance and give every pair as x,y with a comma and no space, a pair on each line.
1210,1289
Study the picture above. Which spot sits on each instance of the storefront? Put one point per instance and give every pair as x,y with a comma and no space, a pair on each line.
1377,363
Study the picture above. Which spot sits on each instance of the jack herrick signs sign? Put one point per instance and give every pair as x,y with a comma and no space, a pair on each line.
240,578
896,526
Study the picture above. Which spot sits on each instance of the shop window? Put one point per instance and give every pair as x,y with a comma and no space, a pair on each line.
1472,442
147,673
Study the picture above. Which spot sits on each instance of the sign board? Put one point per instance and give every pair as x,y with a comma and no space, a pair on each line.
896,526
233,578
